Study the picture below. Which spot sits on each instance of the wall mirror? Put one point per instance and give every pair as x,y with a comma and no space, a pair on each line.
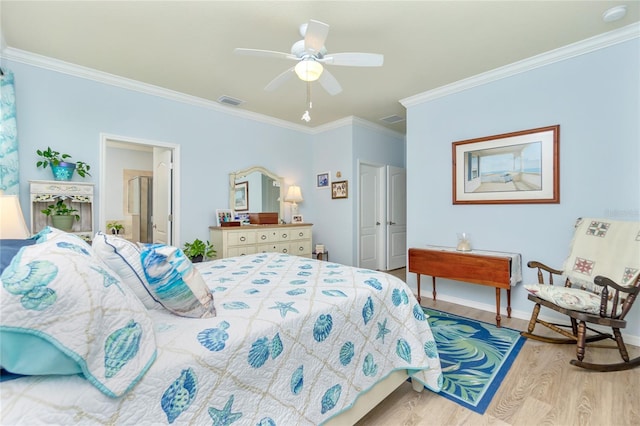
256,190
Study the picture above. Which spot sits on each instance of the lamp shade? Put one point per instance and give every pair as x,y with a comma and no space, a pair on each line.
12,224
294,195
309,70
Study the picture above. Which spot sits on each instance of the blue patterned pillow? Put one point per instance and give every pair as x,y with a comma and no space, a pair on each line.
175,283
59,295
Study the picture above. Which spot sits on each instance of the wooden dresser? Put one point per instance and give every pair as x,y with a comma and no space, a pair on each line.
249,239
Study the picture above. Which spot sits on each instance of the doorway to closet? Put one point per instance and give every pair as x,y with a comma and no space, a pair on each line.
382,224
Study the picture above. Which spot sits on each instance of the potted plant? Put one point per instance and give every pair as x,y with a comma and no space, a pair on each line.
198,251
60,167
62,215
115,228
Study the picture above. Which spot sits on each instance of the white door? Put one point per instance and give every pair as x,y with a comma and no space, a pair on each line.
396,217
371,212
162,200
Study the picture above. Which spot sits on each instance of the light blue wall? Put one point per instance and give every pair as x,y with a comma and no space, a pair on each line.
333,223
339,150
69,113
595,99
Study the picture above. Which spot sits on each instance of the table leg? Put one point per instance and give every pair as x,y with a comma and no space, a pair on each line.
418,282
498,307
509,303
434,288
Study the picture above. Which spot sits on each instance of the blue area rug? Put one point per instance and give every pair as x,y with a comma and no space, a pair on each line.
475,357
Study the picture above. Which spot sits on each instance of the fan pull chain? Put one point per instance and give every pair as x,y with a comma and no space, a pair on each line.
306,116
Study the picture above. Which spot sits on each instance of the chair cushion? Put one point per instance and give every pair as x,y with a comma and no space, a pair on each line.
569,298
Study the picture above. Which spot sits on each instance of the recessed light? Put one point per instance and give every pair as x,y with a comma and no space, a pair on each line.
614,14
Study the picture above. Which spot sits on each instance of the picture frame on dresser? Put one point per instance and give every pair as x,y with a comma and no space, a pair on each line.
297,218
224,215
521,167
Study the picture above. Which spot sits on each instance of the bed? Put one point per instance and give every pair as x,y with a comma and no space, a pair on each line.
275,340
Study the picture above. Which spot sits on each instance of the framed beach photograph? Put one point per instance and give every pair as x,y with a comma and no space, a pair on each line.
223,216
241,196
296,218
512,168
322,180
339,189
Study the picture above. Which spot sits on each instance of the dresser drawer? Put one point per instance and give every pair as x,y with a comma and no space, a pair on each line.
299,233
272,235
274,248
242,238
241,250
300,248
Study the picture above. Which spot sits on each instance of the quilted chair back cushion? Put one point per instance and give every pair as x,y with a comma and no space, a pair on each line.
604,247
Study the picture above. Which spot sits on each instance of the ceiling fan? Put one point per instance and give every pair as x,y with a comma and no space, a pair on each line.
311,55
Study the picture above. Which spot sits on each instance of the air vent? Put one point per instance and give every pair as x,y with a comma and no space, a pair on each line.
228,100
392,119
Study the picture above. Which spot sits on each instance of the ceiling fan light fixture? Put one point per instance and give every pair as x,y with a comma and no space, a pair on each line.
309,70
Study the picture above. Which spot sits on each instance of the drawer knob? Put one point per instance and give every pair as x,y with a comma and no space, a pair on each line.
284,250
243,239
284,235
301,234
263,237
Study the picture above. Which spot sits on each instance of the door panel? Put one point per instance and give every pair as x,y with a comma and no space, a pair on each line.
370,236
397,217
162,200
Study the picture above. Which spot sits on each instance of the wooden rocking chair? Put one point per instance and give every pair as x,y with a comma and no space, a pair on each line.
602,280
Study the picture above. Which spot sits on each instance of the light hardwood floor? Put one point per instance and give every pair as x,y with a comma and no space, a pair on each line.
541,388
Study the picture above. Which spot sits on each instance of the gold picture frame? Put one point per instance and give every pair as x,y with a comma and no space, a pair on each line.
511,168
339,189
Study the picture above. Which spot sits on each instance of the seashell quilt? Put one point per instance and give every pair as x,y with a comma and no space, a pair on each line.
295,342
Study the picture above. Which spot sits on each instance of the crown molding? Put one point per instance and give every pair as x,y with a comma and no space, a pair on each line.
74,70
356,121
582,47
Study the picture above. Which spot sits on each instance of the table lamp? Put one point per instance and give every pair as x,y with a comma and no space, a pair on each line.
294,196
12,224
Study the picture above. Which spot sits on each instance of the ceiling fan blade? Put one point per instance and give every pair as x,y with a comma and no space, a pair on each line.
279,80
315,36
329,83
263,53
354,59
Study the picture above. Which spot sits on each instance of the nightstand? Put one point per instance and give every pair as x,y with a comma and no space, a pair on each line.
321,256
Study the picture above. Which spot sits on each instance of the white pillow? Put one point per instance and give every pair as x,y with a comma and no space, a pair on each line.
124,258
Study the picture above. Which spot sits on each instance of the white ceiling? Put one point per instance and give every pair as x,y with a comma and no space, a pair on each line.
188,46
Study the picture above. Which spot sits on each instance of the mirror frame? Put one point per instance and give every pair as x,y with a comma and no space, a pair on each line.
241,173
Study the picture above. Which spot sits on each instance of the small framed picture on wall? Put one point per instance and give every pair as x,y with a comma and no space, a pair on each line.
339,189
322,180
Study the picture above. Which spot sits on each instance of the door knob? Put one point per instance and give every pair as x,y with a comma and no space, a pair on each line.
377,223
391,223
